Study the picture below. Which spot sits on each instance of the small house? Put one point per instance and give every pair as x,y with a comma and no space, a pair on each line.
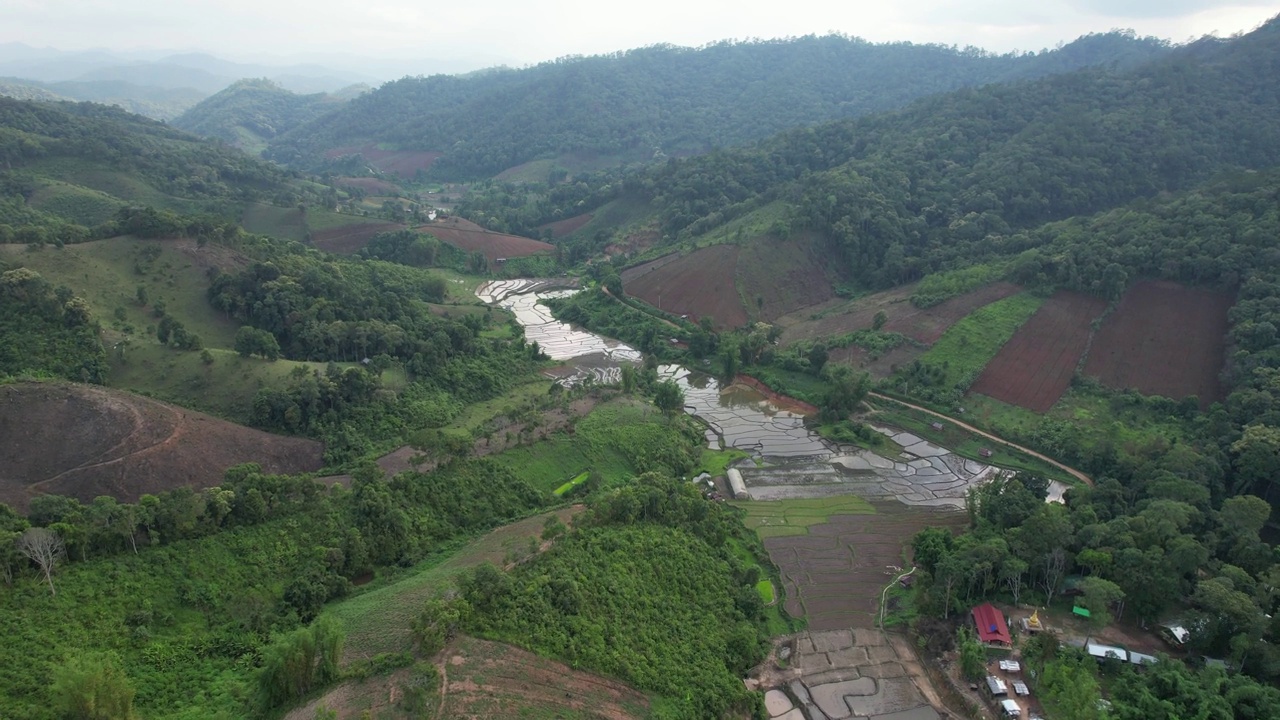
1011,666
1020,689
1176,635
1106,652
985,452
991,625
1137,658
1010,708
935,425
996,686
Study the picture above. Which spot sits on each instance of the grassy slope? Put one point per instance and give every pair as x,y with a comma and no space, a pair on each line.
969,345
377,619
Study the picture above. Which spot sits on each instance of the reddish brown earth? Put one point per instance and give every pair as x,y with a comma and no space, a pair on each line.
485,679
1034,368
833,576
405,163
699,285
781,276
472,238
1164,339
922,325
350,239
568,226
85,441
372,186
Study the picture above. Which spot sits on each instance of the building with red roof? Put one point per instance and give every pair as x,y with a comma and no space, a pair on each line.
990,624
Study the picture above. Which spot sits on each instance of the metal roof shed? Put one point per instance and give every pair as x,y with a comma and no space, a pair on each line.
996,685
1010,708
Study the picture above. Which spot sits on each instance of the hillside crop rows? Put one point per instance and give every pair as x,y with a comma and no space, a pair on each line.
700,284
1164,339
1034,368
493,245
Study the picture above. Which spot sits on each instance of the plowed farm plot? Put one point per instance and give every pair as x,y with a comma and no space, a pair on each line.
1034,368
350,239
834,574
473,238
1164,339
699,284
924,325
568,226
405,163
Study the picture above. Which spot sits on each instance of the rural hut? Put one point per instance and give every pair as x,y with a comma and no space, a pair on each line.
737,487
996,686
1104,652
990,625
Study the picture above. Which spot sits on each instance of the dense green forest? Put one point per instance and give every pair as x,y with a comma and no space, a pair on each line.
46,330
646,103
249,113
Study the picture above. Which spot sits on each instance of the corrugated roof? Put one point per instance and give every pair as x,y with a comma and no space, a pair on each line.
990,624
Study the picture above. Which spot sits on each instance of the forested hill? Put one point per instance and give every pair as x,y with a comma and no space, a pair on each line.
901,194
669,100
66,167
249,113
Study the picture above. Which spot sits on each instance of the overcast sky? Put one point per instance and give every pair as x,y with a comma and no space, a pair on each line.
521,32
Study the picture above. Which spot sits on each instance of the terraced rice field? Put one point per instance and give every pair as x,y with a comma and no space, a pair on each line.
834,573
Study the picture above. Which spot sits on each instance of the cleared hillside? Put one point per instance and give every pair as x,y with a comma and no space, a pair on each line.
85,441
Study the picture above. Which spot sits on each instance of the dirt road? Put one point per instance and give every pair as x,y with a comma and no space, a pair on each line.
1069,470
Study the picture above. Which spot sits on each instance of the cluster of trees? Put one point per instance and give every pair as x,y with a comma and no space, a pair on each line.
1141,554
320,308
646,102
647,587
255,557
47,330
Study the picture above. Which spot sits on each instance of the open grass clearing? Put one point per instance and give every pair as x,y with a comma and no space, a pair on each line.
377,619
965,348
781,518
765,588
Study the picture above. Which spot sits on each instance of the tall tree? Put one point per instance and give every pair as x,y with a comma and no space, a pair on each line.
45,548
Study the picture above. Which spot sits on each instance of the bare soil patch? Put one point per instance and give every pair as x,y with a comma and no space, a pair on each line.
405,163
493,680
85,441
350,239
924,325
700,284
781,276
568,226
370,185
833,576
1034,368
472,238
1164,339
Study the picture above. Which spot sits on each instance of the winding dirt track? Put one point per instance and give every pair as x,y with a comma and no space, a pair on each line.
1069,470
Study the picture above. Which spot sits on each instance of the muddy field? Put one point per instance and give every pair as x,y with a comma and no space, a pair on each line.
699,284
922,325
405,163
1034,368
86,441
350,238
834,575
1164,339
568,226
846,674
472,238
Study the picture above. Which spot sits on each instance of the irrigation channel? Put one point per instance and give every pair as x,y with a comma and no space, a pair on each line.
789,461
